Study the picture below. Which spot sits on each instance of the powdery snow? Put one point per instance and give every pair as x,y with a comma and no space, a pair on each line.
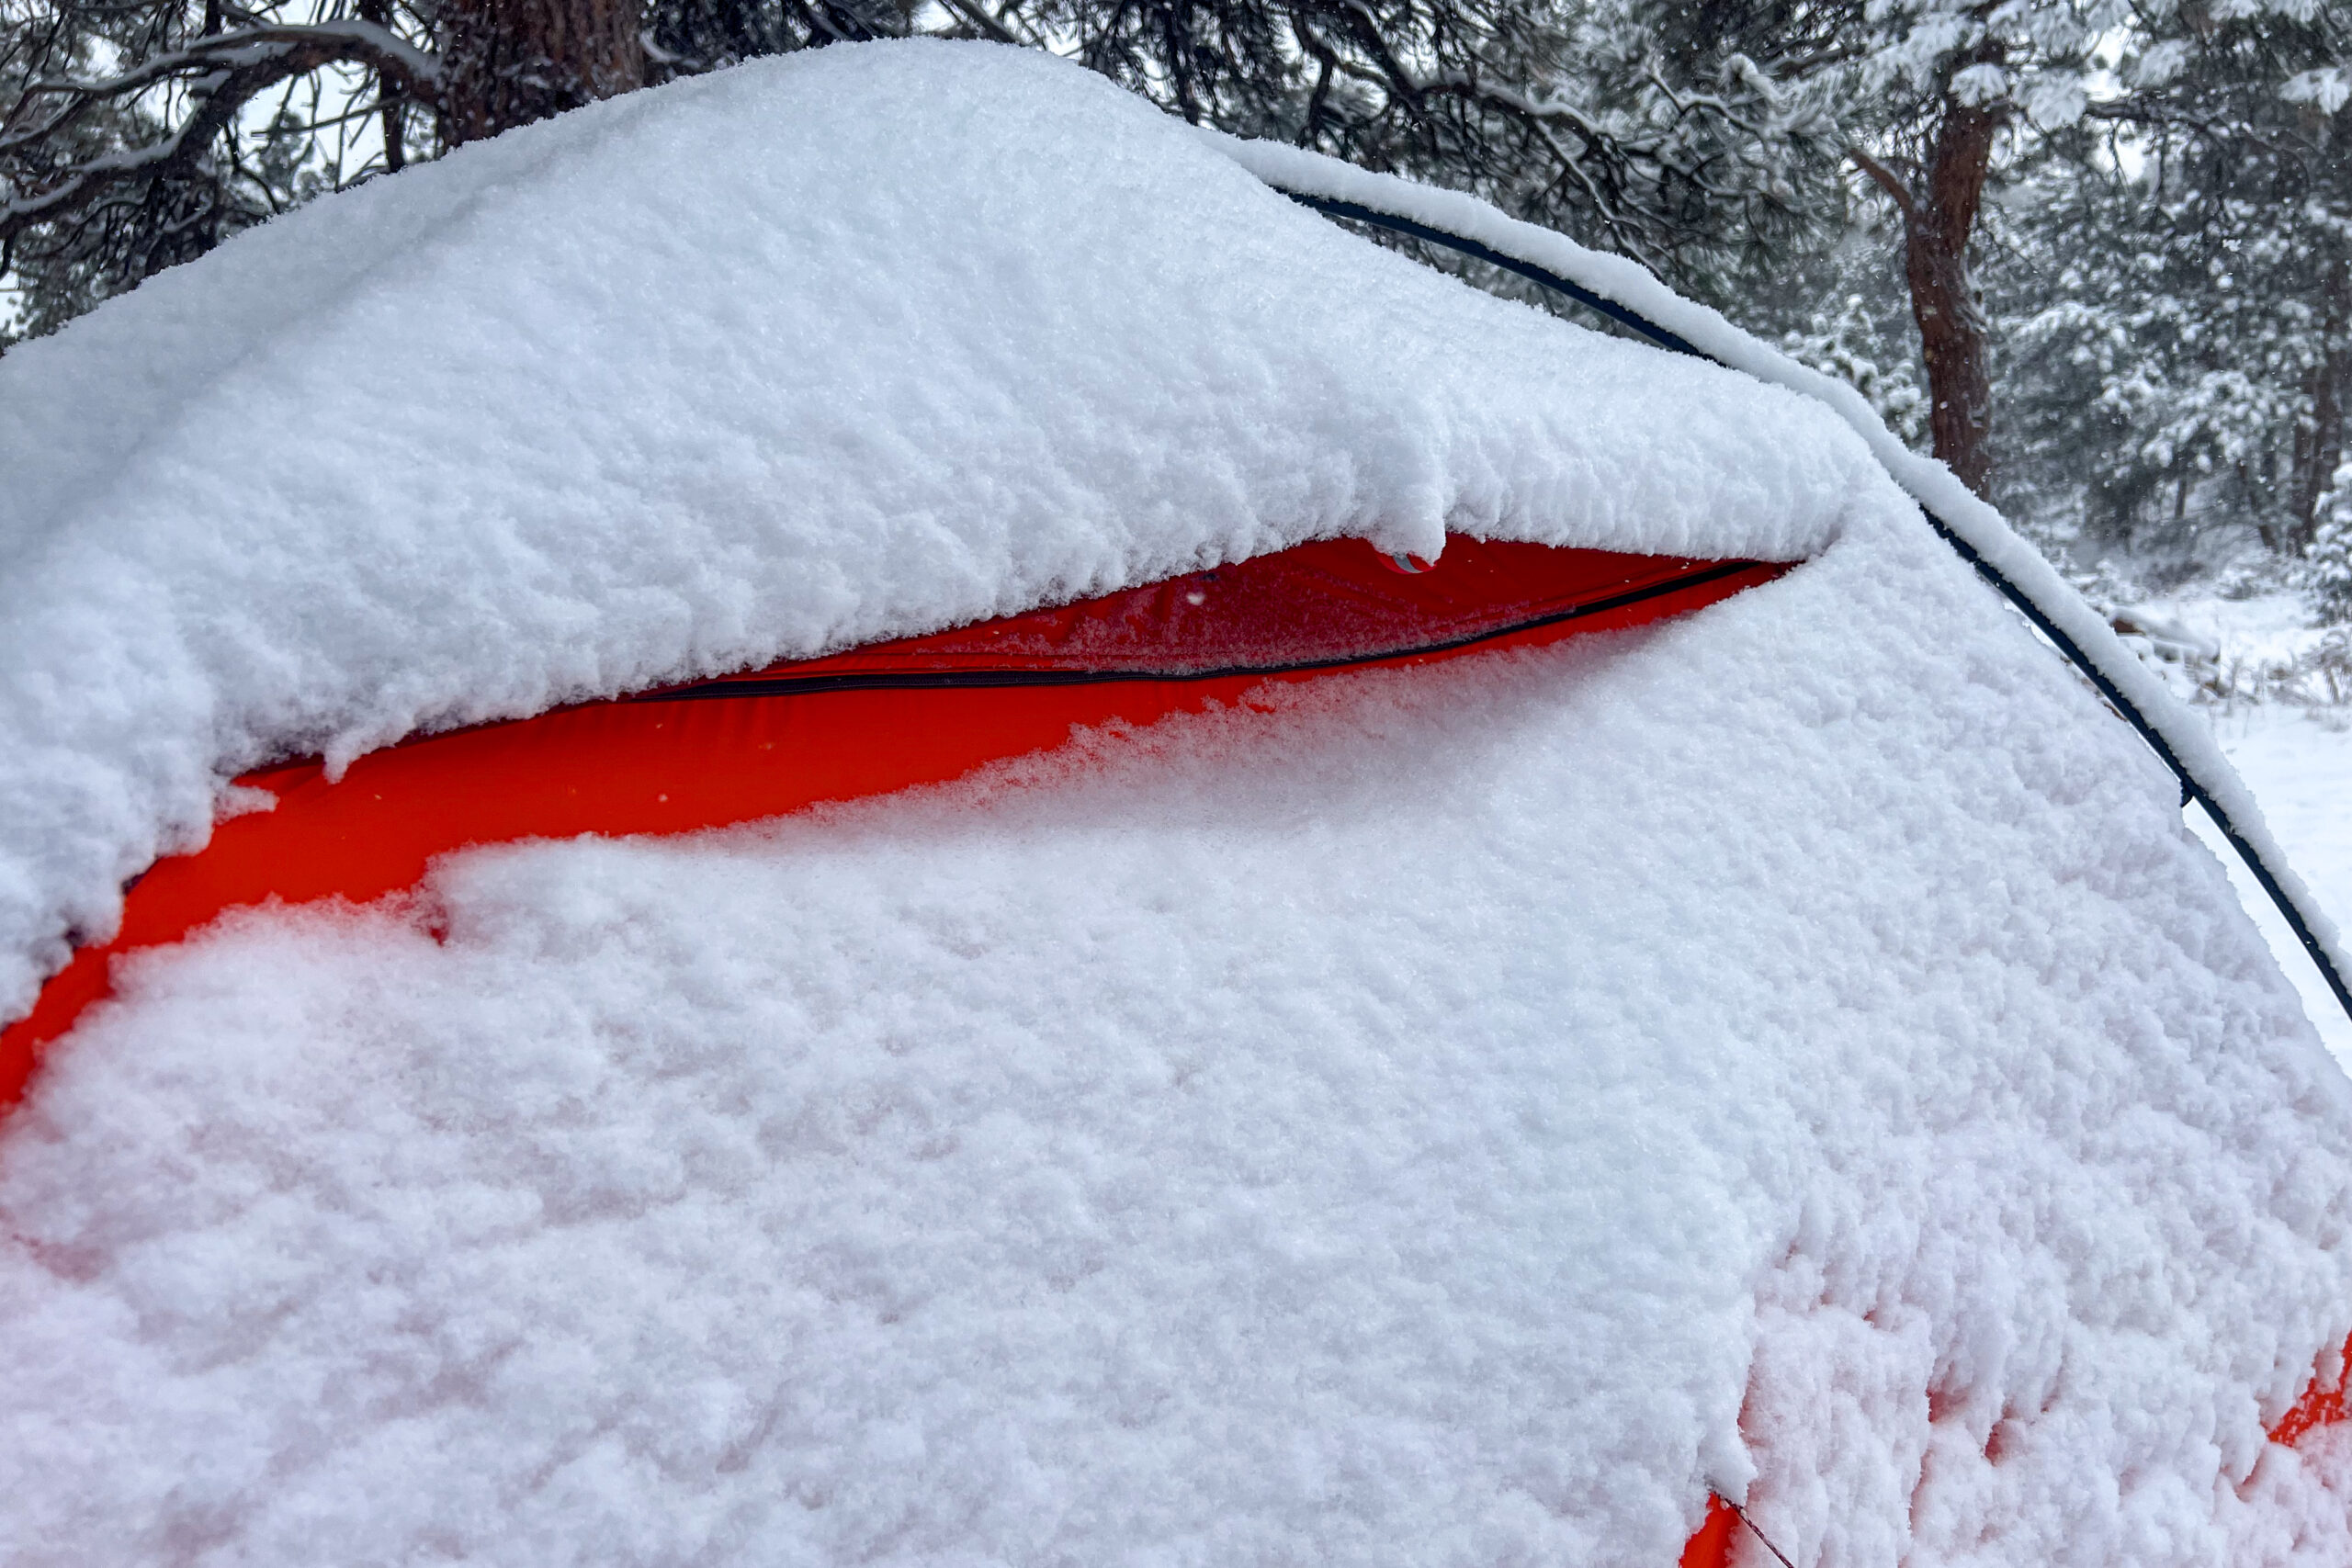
2299,762
2266,628
698,378
1971,519
1455,1115
1406,1125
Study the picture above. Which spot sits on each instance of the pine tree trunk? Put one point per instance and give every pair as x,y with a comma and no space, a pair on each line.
1937,225
2319,449
508,62
388,94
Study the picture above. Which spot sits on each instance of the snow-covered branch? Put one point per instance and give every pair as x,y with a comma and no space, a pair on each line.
222,73
365,43
1886,179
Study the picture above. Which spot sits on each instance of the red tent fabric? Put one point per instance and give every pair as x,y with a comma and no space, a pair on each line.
922,710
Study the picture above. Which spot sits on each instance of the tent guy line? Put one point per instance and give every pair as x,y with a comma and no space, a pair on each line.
1741,1514
2192,787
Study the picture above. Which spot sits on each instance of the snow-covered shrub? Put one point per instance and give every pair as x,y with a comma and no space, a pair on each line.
2328,568
1845,344
2233,637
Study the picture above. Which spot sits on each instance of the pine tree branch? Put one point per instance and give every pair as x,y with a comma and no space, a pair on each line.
988,27
224,71
1887,180
363,43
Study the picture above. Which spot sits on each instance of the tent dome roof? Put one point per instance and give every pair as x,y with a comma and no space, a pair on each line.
1458,1113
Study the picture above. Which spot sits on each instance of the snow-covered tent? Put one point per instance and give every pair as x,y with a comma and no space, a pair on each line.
1446,1109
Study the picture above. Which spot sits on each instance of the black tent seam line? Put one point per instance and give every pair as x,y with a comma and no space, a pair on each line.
2192,788
949,680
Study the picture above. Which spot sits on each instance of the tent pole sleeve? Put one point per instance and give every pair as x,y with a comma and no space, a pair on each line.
1632,320
2192,787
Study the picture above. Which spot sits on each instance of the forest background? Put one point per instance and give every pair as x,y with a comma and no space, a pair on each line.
2095,254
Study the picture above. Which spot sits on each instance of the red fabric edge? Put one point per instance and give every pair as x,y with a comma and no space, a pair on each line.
636,766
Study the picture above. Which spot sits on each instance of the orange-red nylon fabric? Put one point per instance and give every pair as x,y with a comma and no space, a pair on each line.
1709,1544
779,739
2323,1404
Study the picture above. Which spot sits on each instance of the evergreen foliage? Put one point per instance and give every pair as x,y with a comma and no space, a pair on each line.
2330,565
1849,340
2180,324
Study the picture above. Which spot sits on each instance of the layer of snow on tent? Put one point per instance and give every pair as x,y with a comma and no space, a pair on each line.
1455,1114
704,378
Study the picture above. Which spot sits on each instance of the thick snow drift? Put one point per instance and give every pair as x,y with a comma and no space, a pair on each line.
705,377
1455,1115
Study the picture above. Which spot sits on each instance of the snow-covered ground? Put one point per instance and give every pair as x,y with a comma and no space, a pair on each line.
2243,660
2298,763
2262,629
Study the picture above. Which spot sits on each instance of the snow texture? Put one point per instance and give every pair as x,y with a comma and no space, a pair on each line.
1450,1115
2298,763
705,377
1934,486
